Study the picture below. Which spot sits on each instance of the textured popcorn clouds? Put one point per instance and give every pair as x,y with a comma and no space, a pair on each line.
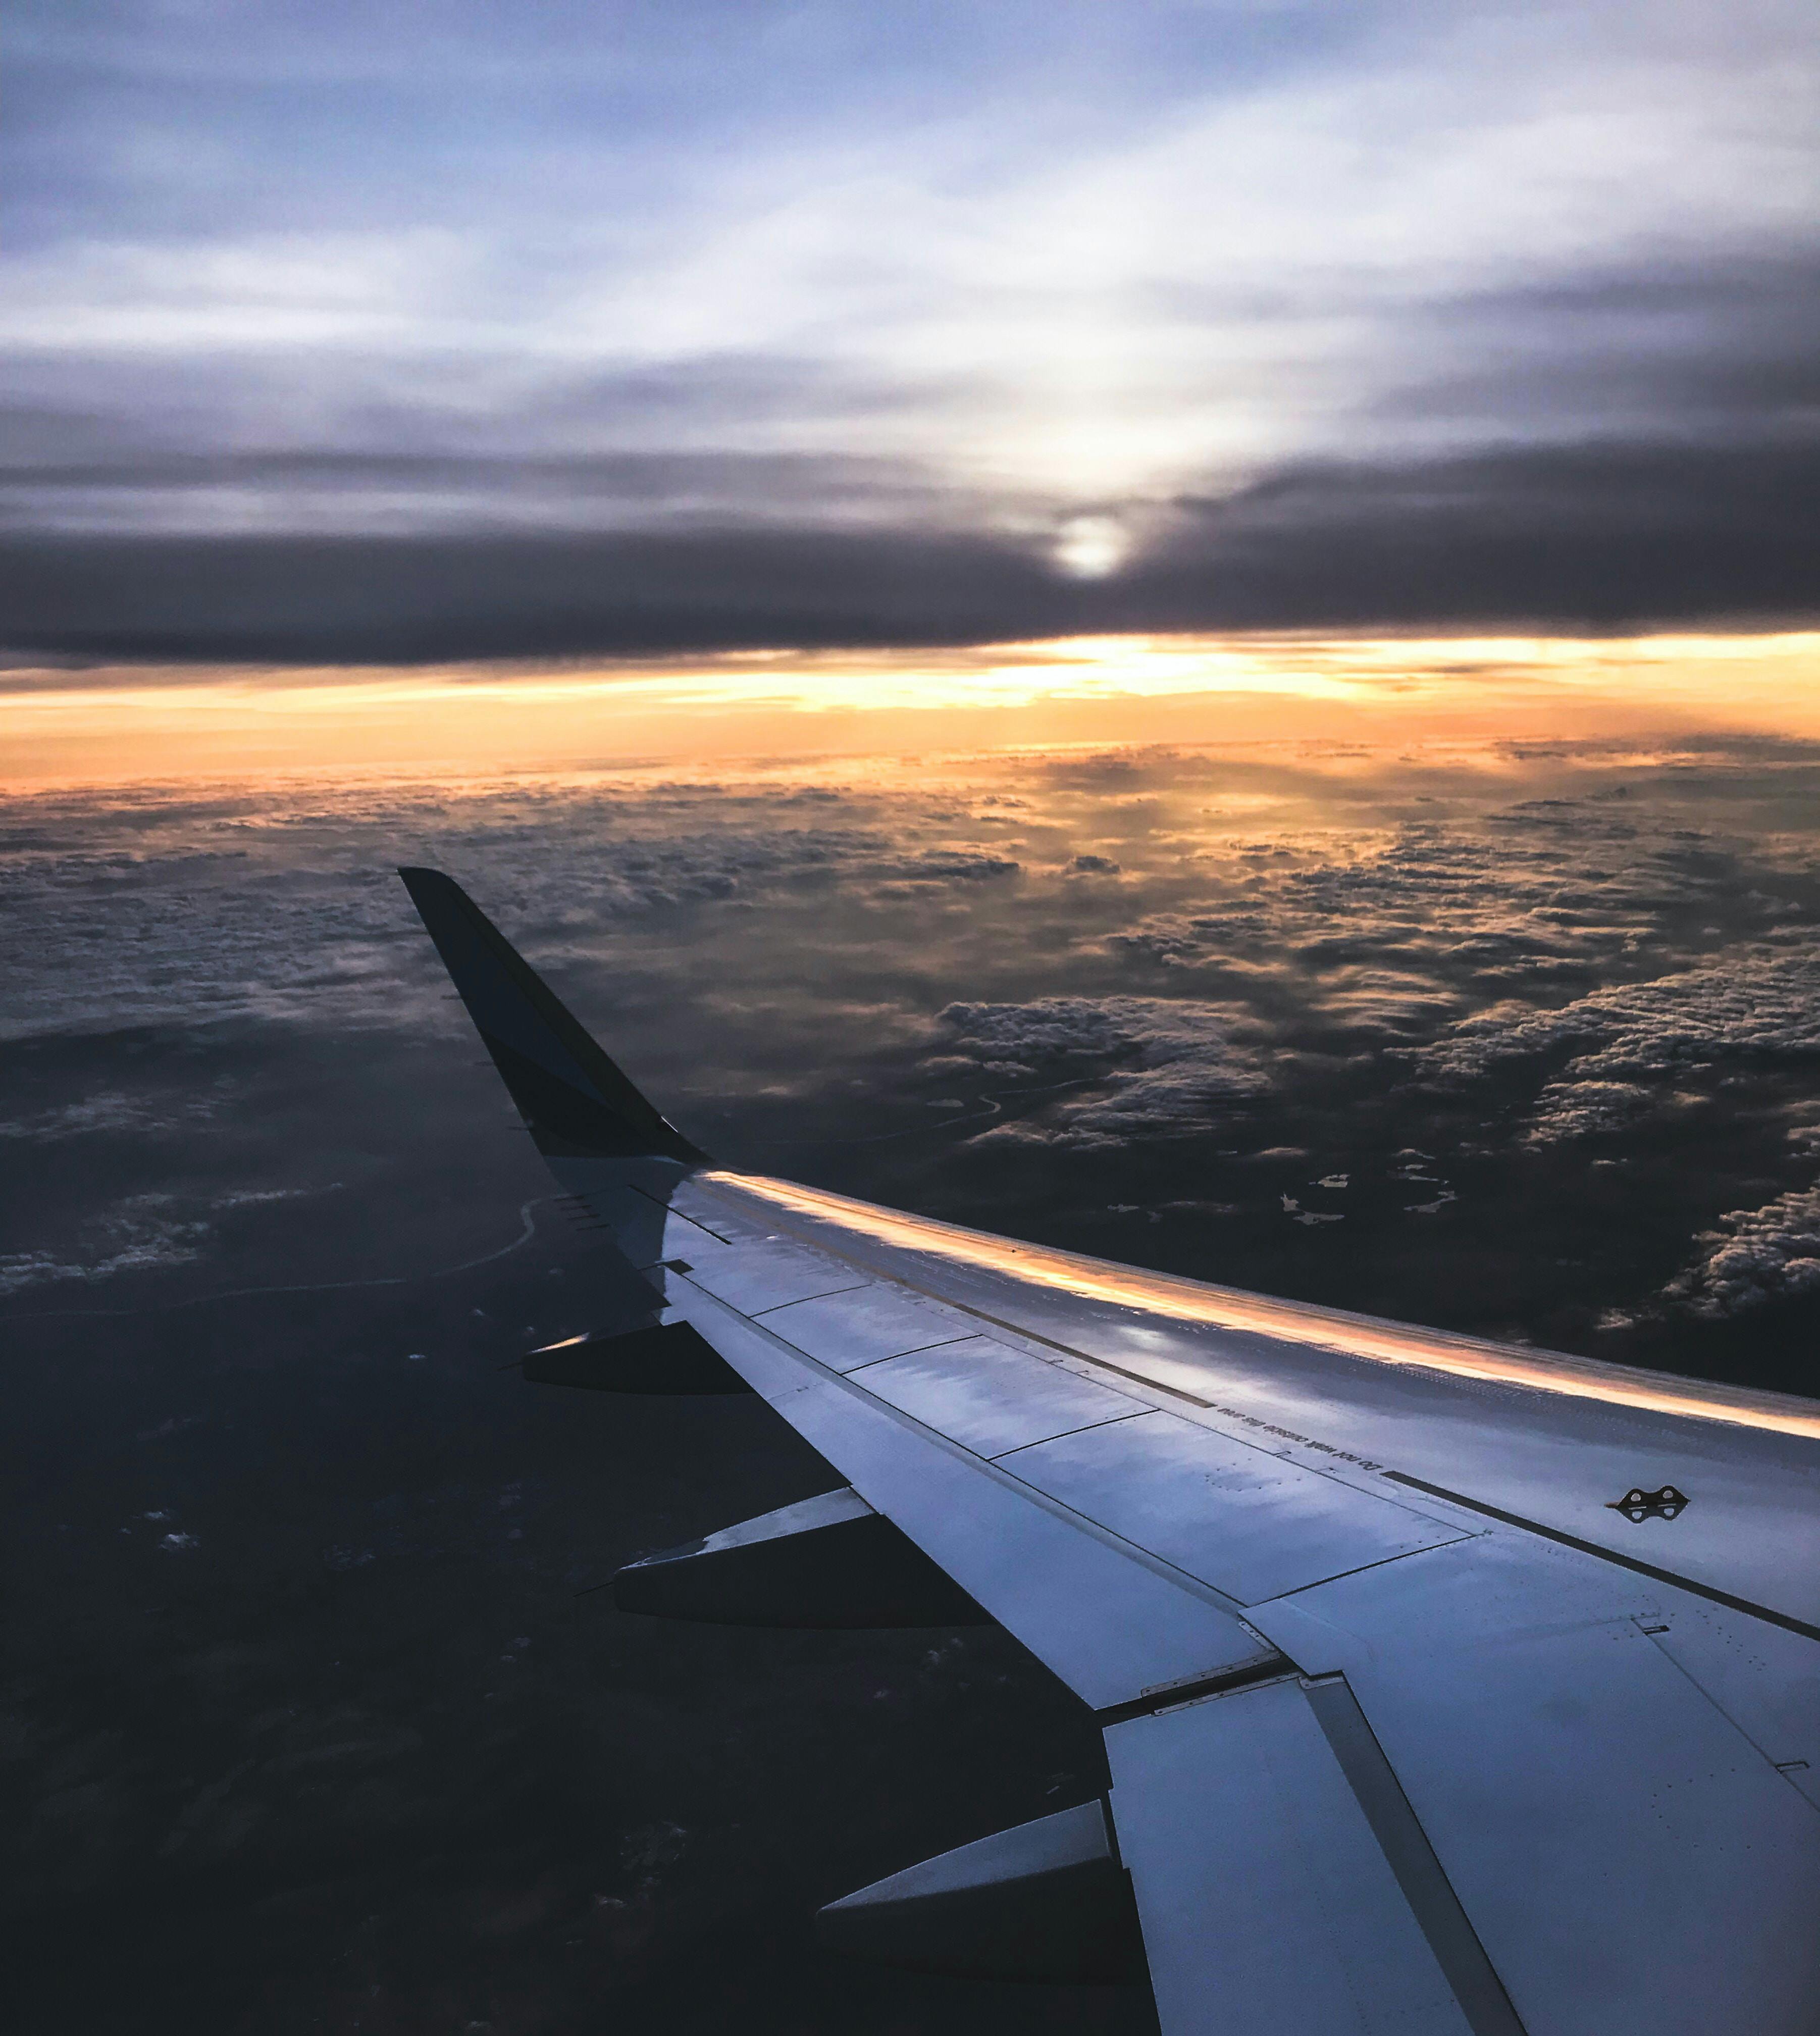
1754,1255
143,1234
291,913
1179,1063
1763,1007
1541,893
111,1112
153,1232
820,966
1566,1111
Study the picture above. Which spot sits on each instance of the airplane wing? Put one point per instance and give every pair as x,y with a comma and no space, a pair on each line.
1446,1686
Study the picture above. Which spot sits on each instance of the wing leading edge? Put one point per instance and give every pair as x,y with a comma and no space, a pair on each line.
1408,1726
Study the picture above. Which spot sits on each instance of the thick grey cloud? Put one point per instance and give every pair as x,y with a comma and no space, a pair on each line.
509,595
1608,537
1181,1065
336,333
1752,1007
1754,1255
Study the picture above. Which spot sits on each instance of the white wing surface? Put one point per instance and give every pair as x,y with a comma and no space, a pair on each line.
1446,1686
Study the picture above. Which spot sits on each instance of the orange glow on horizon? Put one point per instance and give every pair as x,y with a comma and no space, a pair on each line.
126,724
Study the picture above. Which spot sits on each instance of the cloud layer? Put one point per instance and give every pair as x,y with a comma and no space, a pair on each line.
1600,536
1174,1064
1531,1021
1754,1256
1760,1007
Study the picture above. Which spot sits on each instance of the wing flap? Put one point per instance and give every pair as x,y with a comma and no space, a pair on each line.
831,1563
1267,1901
1617,1841
1046,1901
1764,1678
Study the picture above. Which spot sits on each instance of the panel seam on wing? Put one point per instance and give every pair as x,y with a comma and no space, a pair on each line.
890,1357
797,1301
1158,1565
1786,1620
1062,1435
876,1276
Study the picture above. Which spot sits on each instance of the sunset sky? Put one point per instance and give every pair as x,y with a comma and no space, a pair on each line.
341,336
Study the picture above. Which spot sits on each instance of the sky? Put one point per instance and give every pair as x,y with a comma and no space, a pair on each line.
371,335
1187,631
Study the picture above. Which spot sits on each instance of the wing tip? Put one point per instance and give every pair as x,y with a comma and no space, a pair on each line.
577,1101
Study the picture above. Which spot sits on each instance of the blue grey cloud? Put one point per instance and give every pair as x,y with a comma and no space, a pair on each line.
1159,316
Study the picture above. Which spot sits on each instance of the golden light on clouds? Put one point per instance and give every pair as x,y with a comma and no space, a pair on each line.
100,725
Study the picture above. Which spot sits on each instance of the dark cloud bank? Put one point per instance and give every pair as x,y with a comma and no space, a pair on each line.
1597,536
1386,315
1602,535
1629,444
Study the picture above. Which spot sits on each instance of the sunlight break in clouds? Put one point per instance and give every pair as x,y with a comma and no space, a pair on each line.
1090,546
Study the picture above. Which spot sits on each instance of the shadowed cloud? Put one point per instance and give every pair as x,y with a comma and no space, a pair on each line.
338,335
1599,536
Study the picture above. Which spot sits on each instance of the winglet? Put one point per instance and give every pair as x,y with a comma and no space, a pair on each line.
575,1101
